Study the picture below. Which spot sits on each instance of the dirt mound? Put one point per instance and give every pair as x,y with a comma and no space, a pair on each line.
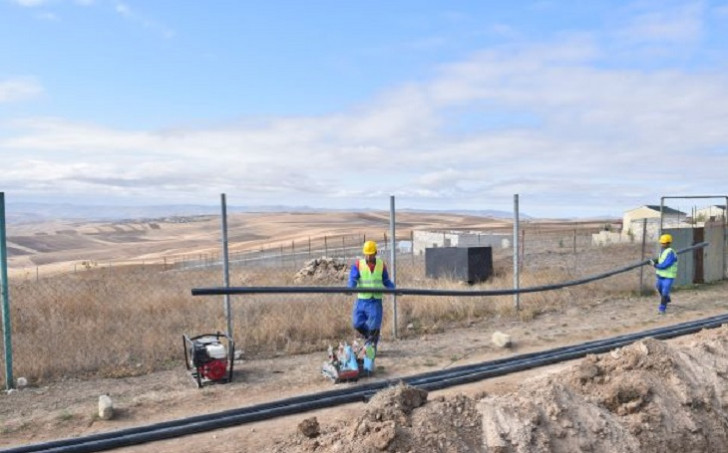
322,270
650,396
399,419
647,397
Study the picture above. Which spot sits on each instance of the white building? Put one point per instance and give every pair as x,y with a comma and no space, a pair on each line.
645,218
649,216
427,239
710,214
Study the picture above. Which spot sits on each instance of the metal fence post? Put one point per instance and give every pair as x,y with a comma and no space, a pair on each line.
516,281
7,340
725,239
644,244
412,246
225,265
392,259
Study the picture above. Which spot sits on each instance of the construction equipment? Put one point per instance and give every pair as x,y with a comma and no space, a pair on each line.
209,360
344,364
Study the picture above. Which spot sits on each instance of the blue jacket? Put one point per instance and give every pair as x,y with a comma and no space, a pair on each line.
354,276
669,260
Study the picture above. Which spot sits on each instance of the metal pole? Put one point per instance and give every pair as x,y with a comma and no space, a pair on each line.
516,298
393,264
644,244
412,246
225,265
659,233
6,298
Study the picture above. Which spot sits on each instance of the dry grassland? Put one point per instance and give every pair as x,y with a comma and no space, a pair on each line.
123,319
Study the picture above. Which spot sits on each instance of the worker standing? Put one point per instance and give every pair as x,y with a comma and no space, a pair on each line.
666,270
370,273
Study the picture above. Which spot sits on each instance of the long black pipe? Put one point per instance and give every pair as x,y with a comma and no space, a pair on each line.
216,291
428,381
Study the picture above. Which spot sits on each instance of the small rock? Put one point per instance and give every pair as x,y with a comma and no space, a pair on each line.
21,383
106,407
501,339
309,427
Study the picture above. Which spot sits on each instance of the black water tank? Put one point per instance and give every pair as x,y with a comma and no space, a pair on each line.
470,264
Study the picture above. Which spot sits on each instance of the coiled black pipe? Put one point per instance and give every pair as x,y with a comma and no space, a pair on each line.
428,381
216,291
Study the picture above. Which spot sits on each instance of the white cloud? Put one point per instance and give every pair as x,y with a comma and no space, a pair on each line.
601,134
125,11
680,23
19,89
596,134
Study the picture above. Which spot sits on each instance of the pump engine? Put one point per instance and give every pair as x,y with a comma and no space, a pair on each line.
208,359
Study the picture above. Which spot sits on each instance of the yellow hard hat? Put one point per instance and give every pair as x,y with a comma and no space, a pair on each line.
370,248
666,239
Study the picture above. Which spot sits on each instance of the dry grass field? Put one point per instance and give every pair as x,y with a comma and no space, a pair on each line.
113,299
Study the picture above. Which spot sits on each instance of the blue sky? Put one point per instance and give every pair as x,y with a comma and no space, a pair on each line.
582,108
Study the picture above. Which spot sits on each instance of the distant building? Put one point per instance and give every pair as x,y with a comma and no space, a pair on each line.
429,239
404,246
647,216
633,220
712,213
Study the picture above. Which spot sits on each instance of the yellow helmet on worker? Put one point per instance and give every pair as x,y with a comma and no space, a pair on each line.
666,239
370,248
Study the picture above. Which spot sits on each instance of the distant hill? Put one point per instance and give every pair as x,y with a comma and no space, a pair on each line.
491,213
33,212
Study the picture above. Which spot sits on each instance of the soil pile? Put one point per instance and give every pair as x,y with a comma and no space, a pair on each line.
322,270
397,419
651,396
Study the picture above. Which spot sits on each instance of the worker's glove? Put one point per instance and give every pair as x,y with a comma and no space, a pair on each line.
652,262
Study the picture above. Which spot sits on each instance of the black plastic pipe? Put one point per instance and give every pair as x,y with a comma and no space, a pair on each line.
216,291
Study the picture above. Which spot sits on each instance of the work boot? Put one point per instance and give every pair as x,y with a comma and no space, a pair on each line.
661,309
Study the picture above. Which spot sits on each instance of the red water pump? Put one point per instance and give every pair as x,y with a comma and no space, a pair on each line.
209,360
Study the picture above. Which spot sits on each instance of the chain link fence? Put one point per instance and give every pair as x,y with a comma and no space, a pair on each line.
112,320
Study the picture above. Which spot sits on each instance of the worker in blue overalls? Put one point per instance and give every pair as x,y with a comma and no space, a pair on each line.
371,273
666,270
